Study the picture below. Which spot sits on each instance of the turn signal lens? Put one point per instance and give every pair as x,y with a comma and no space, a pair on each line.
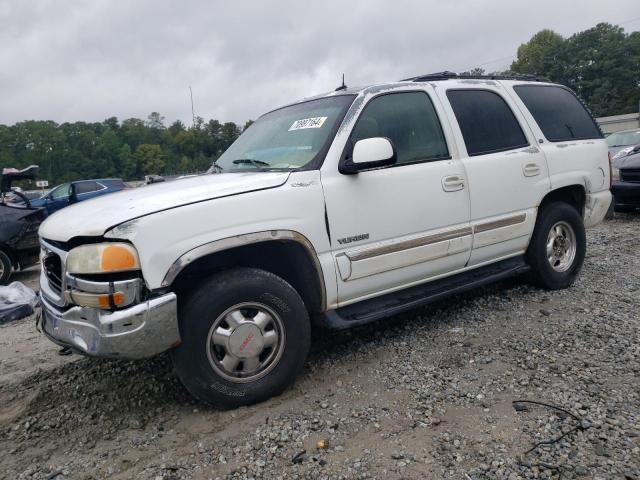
102,258
116,258
102,300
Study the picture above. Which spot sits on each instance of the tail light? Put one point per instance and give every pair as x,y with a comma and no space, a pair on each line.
610,172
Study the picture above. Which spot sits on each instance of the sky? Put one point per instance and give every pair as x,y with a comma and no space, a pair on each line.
88,60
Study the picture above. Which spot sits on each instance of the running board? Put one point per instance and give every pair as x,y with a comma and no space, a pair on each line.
407,299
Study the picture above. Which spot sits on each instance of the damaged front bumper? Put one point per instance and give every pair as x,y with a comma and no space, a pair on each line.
140,331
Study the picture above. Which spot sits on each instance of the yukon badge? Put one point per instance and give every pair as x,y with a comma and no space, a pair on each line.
355,238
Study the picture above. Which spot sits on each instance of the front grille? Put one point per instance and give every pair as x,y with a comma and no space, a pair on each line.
630,175
53,271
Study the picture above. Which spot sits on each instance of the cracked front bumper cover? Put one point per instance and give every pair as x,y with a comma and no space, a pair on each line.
140,331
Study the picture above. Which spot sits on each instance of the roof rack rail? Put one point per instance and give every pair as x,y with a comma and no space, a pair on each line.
447,75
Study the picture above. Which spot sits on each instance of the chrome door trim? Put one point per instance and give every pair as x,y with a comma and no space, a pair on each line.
503,222
408,244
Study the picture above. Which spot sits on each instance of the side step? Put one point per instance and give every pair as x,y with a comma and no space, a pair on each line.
396,302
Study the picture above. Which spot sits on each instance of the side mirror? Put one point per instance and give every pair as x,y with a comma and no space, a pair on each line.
370,153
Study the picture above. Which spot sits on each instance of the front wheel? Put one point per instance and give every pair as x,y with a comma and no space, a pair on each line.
245,337
557,248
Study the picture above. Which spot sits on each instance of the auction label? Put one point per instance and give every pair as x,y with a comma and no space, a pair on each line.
315,122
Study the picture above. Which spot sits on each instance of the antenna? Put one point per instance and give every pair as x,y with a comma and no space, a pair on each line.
193,115
343,86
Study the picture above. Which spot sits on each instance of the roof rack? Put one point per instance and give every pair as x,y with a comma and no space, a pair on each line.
447,75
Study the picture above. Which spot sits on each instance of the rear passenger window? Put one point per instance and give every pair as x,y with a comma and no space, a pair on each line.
86,187
409,120
487,123
558,112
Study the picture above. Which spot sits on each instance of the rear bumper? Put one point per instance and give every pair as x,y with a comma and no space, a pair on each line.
626,193
140,331
596,206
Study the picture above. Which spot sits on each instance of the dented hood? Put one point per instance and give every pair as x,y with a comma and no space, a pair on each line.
94,217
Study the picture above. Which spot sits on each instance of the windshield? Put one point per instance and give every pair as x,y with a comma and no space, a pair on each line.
622,139
288,138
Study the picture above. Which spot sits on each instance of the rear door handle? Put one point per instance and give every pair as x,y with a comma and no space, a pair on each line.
453,183
531,169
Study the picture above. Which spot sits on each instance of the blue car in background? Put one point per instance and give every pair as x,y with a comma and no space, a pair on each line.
73,192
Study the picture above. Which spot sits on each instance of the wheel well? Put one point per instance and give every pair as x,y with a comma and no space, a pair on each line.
287,259
574,195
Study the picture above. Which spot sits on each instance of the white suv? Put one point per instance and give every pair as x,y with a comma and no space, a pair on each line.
341,209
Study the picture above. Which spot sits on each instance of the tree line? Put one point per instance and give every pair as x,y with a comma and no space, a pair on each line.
129,149
601,64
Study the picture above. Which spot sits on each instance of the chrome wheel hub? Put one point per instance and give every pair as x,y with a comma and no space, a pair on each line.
245,342
561,247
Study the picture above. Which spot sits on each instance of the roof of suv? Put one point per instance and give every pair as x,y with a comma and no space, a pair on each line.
429,78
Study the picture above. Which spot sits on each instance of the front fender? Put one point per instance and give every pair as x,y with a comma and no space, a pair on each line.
167,241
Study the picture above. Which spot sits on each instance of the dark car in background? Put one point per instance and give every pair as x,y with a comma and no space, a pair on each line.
19,222
626,181
78,191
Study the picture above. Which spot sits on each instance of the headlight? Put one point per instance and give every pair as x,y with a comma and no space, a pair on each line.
102,258
615,173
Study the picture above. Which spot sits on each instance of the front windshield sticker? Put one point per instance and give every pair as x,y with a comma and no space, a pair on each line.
315,122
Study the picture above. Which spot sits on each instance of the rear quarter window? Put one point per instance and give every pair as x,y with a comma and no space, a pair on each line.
558,113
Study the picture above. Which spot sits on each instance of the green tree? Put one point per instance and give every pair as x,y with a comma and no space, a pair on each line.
127,163
150,159
543,55
474,71
601,64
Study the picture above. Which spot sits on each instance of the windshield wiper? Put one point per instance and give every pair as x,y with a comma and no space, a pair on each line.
215,168
251,161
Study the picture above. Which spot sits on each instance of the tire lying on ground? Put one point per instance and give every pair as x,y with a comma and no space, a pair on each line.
557,248
245,337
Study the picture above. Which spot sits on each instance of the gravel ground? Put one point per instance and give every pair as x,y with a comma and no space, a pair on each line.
427,394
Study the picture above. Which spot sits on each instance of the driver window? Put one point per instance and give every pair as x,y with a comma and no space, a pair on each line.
410,121
62,191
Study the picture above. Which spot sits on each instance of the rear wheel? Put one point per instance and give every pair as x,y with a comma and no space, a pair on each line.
5,268
557,248
245,337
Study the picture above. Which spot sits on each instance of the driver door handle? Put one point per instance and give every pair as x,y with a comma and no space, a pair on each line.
531,169
452,183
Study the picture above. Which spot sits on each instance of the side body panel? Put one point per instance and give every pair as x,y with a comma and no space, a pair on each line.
297,206
574,162
505,187
395,226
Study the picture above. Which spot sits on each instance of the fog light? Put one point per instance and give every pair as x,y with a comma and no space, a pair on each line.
102,300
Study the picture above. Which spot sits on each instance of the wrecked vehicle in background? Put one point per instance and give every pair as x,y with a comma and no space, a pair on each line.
19,222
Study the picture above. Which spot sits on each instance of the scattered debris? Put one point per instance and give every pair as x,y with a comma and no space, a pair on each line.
299,457
322,444
16,301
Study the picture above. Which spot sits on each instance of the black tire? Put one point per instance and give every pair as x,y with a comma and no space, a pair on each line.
200,313
543,272
5,268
